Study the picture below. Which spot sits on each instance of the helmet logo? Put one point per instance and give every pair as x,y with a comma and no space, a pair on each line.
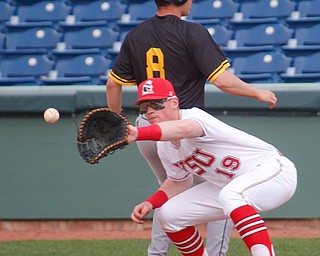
147,88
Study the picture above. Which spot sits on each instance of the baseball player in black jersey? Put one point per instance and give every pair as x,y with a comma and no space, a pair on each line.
184,53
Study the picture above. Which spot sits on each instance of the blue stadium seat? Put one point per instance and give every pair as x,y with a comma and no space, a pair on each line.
123,35
306,39
220,34
17,69
114,51
305,69
142,11
90,68
138,12
41,11
6,11
213,9
101,37
87,11
307,11
308,36
261,67
33,38
2,40
263,11
259,38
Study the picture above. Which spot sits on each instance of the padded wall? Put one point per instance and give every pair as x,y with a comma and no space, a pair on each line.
43,177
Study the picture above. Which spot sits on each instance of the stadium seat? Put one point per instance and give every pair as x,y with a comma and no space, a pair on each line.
259,38
260,67
2,40
263,11
136,13
142,11
42,11
6,11
89,68
213,9
101,37
114,51
220,34
86,11
16,69
33,38
305,69
307,11
306,39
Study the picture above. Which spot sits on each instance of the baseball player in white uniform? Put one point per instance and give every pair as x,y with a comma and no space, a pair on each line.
244,174
219,232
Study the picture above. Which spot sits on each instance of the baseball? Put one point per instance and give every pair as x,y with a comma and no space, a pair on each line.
51,115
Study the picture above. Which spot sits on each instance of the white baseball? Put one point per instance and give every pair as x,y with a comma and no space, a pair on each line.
51,115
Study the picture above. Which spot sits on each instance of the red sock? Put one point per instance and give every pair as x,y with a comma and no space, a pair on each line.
252,230
188,241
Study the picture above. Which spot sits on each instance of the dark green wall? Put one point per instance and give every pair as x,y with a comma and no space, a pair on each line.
43,177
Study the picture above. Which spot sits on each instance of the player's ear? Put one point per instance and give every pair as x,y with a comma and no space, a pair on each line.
175,102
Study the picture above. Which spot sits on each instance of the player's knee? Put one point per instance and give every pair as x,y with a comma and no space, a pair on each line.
168,218
230,200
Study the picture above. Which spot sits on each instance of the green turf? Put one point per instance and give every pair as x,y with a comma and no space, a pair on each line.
283,247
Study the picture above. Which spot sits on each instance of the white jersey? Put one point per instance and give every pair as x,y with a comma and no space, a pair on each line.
221,155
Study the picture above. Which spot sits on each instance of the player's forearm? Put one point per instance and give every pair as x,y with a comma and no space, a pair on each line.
168,190
114,96
229,83
180,129
170,130
173,188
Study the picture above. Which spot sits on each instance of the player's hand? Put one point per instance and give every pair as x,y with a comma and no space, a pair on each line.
141,211
267,96
132,133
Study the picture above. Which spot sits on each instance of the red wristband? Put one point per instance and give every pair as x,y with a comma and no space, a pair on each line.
158,199
152,132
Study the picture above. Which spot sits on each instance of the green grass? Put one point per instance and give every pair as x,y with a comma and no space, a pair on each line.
283,247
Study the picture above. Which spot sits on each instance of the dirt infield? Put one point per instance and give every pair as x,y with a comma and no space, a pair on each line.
104,230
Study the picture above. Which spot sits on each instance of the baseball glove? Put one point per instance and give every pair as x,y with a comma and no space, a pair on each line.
101,133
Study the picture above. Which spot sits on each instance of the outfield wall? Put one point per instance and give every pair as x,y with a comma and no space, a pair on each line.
42,175
72,99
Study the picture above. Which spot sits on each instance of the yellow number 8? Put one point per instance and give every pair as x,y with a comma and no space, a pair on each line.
155,63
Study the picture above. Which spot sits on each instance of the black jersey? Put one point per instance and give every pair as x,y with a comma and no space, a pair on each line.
168,47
